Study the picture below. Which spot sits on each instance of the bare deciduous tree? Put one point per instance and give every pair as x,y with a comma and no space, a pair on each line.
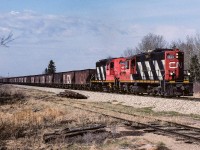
190,47
195,68
187,48
150,42
197,44
4,40
129,52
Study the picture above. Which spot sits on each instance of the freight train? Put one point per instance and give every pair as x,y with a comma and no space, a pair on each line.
156,72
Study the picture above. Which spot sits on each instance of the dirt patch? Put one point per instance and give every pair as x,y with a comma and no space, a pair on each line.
71,94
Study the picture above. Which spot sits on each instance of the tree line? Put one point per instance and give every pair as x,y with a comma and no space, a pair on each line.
190,46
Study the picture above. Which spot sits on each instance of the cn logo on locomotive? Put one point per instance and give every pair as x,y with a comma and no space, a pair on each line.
174,65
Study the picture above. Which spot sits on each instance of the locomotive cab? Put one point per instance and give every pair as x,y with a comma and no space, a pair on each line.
114,68
128,69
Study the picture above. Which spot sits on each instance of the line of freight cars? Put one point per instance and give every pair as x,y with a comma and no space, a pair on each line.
79,79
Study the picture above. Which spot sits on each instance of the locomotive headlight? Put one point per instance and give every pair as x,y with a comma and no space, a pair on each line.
188,73
176,55
172,73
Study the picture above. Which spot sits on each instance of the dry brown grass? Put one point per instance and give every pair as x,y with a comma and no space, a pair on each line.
28,117
22,125
18,123
9,95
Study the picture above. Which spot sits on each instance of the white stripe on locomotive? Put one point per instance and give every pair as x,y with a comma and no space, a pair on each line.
157,69
102,71
141,70
98,73
149,70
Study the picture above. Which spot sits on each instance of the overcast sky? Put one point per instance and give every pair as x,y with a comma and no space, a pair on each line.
77,33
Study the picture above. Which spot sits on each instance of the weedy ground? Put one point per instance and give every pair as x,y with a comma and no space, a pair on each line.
26,115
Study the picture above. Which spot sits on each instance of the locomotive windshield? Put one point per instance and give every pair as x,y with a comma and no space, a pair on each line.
169,56
112,65
127,64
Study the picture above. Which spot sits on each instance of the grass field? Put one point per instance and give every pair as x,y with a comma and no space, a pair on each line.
26,115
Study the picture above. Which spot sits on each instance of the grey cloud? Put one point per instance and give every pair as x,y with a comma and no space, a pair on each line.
28,24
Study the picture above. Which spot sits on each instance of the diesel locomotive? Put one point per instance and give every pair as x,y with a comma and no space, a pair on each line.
156,72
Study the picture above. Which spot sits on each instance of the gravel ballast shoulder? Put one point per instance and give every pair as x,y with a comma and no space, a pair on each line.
157,103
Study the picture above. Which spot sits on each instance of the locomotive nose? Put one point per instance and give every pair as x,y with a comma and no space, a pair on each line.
174,65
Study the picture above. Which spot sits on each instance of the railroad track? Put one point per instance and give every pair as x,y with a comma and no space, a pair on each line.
186,133
145,95
185,98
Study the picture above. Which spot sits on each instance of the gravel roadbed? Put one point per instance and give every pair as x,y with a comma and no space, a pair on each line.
158,104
